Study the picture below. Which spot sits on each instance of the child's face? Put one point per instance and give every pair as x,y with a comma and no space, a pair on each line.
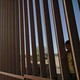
67,46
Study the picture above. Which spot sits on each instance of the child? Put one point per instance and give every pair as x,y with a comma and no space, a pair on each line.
70,60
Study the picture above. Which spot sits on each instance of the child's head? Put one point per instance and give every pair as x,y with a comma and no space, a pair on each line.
67,45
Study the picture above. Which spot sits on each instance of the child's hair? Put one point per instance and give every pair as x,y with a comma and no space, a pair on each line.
67,42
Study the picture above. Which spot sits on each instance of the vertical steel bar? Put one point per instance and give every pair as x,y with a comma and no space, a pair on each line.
21,38
34,55
3,49
17,41
9,38
3,30
6,58
3,35
12,5
5,39
0,31
40,38
2,38
29,66
73,35
52,66
60,41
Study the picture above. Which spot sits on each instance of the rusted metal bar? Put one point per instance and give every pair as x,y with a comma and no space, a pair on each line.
34,55
5,39
21,27
31,77
0,34
52,66
73,35
3,33
2,39
60,41
17,41
9,38
13,68
40,38
12,75
29,66
19,77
